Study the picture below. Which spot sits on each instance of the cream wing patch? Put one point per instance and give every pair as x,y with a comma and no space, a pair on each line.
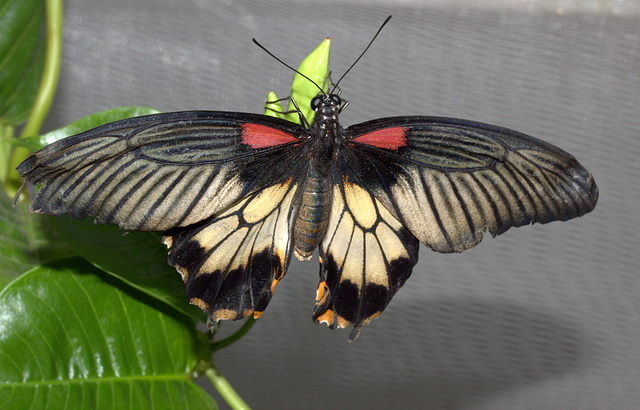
366,256
232,263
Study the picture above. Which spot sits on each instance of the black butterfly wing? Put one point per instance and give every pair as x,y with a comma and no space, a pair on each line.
366,255
222,185
449,180
160,171
232,262
439,181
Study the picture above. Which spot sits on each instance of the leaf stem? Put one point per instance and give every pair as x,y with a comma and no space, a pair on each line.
224,388
46,90
50,72
234,337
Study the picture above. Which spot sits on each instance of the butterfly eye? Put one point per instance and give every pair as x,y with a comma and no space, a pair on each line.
335,100
315,103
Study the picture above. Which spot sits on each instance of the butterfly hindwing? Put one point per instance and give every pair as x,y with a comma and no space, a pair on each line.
160,171
232,262
449,180
366,256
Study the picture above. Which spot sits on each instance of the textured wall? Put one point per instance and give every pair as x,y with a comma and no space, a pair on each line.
541,317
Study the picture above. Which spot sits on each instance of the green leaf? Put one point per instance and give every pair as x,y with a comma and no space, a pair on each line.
137,258
316,67
71,337
21,57
272,108
83,124
25,241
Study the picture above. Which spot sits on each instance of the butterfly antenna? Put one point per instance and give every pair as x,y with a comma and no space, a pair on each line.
287,65
365,50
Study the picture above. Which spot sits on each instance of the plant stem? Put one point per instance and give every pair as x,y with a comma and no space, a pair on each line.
51,70
224,388
46,90
6,132
234,337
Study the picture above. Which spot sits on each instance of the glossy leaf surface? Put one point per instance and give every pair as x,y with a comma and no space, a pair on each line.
73,337
21,57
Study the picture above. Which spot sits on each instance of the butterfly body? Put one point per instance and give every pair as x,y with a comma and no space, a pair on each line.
323,142
238,194
313,214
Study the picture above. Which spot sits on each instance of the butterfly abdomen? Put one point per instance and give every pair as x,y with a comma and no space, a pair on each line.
313,215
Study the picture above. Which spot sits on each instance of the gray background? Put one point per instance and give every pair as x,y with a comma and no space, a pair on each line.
541,317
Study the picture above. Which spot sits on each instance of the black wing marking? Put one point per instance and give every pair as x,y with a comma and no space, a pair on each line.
449,180
158,171
232,262
366,256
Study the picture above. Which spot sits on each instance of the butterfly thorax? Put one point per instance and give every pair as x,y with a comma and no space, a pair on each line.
314,206
325,132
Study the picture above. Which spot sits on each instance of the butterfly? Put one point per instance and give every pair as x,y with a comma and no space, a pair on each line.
238,194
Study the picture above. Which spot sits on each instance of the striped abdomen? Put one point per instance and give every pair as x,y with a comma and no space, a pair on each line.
313,215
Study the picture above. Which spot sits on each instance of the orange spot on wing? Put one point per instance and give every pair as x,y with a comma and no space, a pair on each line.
386,138
273,286
183,272
262,136
227,314
199,303
327,317
342,322
322,293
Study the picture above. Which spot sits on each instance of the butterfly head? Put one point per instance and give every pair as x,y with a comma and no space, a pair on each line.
327,108
325,129
327,105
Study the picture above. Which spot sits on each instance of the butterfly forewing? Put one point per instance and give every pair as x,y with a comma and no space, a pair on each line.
450,180
160,171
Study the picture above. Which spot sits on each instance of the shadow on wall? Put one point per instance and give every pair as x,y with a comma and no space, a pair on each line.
443,353
473,349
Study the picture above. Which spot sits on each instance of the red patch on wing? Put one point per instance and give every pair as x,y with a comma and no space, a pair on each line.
387,138
262,136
